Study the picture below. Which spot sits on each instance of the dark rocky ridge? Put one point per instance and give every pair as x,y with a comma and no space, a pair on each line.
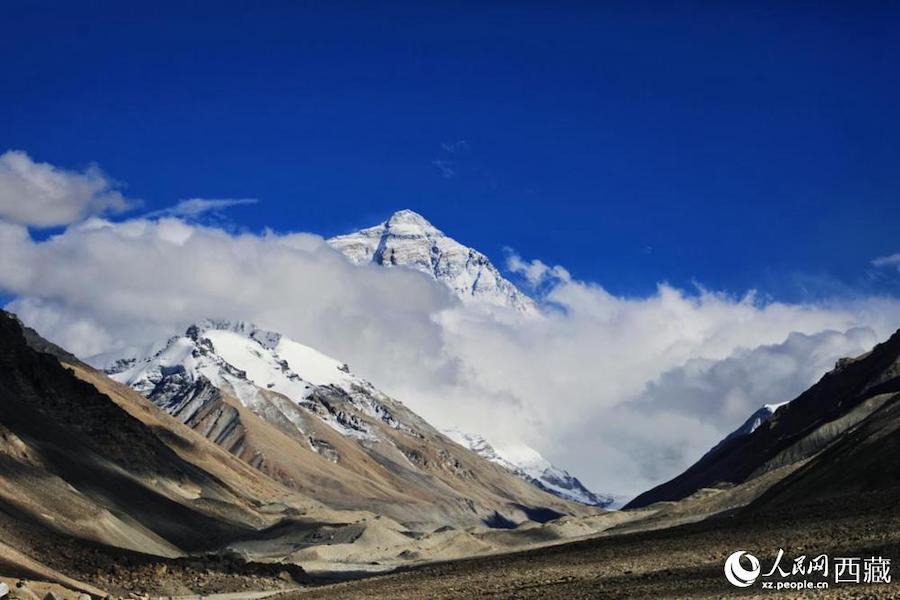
86,439
799,430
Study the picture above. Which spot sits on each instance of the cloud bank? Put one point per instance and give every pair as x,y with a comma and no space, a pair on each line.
624,392
42,195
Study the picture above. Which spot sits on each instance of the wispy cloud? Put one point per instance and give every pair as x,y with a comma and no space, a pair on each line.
892,260
455,147
445,167
535,272
194,207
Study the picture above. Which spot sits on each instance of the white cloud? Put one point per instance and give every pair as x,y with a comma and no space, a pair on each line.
724,391
195,207
455,147
892,260
687,409
580,376
42,195
535,272
624,391
574,383
144,278
445,167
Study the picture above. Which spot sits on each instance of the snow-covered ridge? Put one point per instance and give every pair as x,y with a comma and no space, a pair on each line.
267,339
755,420
247,361
528,464
286,382
407,239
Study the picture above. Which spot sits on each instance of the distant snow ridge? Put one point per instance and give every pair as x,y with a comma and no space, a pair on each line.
529,465
756,420
407,239
752,423
296,386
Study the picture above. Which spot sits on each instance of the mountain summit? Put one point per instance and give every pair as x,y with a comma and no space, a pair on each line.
407,239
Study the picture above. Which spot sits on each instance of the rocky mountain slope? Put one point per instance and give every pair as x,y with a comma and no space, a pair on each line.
864,460
102,491
307,421
407,239
91,473
849,410
824,478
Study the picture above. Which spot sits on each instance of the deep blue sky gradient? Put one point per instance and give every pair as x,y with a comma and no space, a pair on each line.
753,146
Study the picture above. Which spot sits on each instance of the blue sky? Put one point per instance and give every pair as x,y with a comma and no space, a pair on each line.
739,147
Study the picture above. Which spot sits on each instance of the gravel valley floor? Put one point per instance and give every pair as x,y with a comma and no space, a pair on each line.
680,562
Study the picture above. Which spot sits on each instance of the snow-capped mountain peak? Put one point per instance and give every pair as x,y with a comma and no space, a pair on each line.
407,239
249,362
268,400
412,223
267,339
237,350
528,464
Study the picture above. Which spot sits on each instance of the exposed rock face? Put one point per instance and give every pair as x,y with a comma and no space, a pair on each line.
200,406
407,239
858,395
75,460
863,456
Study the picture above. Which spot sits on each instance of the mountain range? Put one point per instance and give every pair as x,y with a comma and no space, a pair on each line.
286,383
531,466
232,458
308,421
102,488
189,488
